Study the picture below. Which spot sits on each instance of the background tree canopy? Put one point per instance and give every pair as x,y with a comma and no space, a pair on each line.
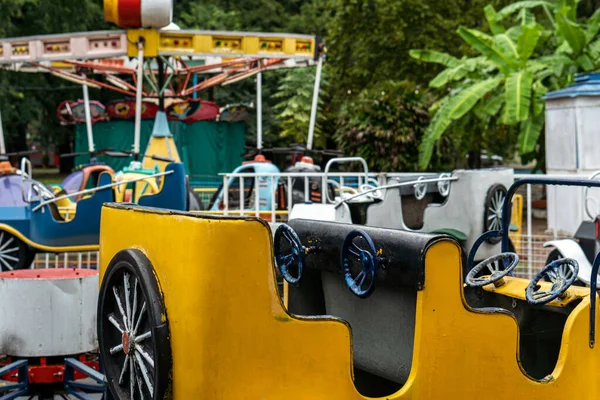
375,101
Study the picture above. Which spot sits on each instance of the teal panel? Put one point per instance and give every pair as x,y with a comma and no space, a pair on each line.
207,148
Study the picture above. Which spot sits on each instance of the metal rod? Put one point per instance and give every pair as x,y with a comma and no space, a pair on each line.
306,196
195,83
506,208
289,194
88,118
529,233
92,190
2,145
242,195
161,83
315,104
259,127
257,198
393,186
226,194
273,204
138,99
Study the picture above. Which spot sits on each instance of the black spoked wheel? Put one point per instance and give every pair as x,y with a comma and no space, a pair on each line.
133,332
14,253
492,217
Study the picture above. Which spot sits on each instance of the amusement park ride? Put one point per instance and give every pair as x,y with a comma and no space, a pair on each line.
155,63
189,305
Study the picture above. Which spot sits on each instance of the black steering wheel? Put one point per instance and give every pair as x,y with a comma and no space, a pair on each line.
499,266
562,273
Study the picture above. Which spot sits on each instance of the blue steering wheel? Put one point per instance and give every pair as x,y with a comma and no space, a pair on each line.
364,283
295,255
562,273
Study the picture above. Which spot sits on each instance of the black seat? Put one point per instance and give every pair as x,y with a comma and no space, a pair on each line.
382,324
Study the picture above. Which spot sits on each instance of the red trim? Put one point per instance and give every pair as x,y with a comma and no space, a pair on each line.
130,13
47,374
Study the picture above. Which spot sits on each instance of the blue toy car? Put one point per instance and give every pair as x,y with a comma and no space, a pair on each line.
31,221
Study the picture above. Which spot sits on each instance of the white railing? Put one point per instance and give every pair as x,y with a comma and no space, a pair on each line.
265,186
85,260
261,200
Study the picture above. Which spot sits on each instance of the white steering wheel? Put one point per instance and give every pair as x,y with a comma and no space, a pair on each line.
420,189
372,190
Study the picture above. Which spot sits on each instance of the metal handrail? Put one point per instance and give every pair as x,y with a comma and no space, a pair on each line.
395,185
343,160
110,185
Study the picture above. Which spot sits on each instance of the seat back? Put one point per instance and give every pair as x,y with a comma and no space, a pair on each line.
383,324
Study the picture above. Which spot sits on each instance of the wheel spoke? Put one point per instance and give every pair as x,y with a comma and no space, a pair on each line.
15,259
9,250
552,276
145,374
115,323
120,306
5,245
139,382
143,337
116,349
146,356
124,369
132,378
135,285
492,215
137,325
5,263
286,257
353,252
127,302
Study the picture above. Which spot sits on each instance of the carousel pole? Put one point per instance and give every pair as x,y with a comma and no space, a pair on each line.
138,100
2,146
315,103
259,128
88,119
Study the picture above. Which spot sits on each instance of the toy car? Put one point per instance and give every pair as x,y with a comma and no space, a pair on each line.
369,312
31,221
463,204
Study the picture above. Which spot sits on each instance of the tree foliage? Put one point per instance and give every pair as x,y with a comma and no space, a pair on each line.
502,86
385,124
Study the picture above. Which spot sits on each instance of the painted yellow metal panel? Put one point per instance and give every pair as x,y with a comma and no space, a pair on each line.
163,147
218,43
232,339
515,288
151,42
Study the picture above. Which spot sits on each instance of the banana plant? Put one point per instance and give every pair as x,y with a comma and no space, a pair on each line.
515,67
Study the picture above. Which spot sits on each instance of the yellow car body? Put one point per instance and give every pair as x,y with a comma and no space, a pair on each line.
124,192
231,336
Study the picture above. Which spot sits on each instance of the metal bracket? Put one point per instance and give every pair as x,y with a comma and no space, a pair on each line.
13,390
76,388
